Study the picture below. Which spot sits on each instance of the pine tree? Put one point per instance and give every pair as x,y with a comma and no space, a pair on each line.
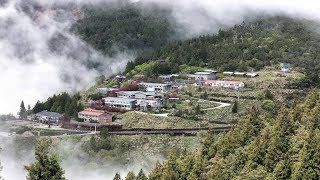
170,167
268,95
198,110
23,111
156,172
46,166
185,165
29,111
117,177
141,175
38,107
130,176
235,107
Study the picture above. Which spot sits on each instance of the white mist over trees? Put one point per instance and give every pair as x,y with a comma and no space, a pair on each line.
39,56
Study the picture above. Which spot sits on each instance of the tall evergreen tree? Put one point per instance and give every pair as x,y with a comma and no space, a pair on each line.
130,176
141,175
235,107
156,172
29,111
170,167
117,177
23,111
46,166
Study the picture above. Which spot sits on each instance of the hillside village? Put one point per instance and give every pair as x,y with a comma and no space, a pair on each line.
206,97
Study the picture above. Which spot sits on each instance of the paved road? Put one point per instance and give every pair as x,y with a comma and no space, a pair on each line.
174,131
221,105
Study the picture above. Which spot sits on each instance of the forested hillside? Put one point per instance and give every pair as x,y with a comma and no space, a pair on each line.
260,147
63,103
245,47
110,29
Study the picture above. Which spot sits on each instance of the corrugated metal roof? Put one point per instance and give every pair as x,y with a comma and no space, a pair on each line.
49,114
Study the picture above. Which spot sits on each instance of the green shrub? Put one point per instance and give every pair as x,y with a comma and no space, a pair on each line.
268,105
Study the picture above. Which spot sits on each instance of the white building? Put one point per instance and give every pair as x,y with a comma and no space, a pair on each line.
226,84
239,73
228,73
151,99
205,75
158,87
251,75
49,117
122,103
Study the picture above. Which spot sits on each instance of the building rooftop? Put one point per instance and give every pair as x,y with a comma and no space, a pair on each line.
202,73
49,114
128,92
210,70
116,99
239,73
92,112
252,74
155,84
221,81
150,93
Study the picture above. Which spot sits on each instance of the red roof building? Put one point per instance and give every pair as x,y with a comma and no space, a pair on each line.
89,115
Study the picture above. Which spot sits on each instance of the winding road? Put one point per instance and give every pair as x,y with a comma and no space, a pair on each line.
221,105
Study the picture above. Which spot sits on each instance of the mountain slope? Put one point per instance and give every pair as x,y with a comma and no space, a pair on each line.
124,27
244,47
259,147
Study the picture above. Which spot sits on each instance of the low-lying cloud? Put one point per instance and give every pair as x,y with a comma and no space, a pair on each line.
198,17
39,56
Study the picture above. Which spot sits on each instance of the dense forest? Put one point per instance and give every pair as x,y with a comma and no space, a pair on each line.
125,27
61,103
245,47
261,146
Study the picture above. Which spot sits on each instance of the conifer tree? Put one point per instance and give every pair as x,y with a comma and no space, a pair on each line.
170,167
130,176
117,177
46,166
23,111
235,107
141,175
29,111
156,172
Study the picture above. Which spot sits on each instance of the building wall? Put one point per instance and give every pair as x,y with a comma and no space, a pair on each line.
226,85
121,105
106,119
87,118
205,77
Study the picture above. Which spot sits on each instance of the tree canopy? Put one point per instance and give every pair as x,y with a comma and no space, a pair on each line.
112,29
244,47
46,166
62,103
259,147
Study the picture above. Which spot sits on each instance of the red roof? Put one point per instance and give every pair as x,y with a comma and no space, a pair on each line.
92,112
